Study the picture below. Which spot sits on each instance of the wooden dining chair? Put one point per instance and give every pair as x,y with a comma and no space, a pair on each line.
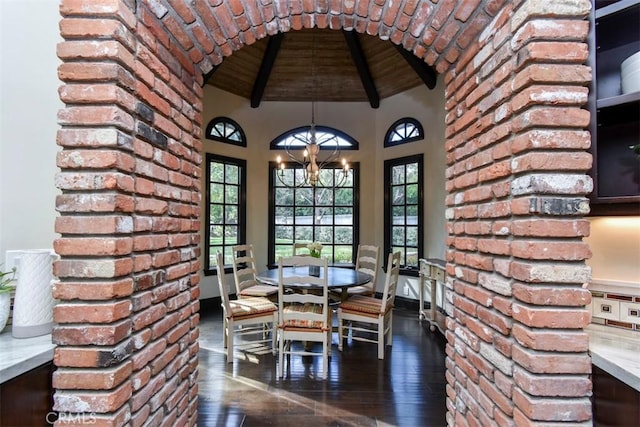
300,249
244,274
364,318
366,262
249,316
303,316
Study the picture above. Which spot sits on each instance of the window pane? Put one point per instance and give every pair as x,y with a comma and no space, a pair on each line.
343,235
412,173
227,256
412,194
284,250
412,214
217,172
324,196
284,196
235,136
397,175
324,216
217,193
304,234
344,196
412,236
232,194
412,257
343,254
304,197
284,215
397,195
398,215
344,216
326,177
232,175
215,214
397,234
304,215
284,234
284,177
324,235
217,231
213,252
231,235
231,216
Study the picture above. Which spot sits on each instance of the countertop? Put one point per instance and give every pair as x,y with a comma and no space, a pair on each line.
616,351
18,356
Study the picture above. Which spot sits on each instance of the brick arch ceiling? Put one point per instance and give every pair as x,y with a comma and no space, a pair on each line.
436,31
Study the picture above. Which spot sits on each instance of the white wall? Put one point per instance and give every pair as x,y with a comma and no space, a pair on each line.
29,105
615,247
368,126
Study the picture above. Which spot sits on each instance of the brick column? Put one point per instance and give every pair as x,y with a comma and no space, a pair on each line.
129,220
517,186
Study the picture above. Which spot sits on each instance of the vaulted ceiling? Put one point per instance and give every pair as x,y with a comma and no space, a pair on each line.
321,65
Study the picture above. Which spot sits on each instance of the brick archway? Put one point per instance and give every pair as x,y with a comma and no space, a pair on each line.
516,180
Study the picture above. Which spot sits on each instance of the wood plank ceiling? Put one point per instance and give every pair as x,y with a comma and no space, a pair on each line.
320,65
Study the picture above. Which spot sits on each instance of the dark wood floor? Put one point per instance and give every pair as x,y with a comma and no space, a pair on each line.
407,388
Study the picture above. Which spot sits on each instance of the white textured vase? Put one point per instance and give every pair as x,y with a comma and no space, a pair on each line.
33,303
5,307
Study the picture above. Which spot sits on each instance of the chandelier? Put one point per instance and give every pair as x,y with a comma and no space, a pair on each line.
316,170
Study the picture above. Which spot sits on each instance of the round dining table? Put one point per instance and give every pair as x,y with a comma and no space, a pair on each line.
339,278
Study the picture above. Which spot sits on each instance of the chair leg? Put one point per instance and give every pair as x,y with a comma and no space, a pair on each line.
280,357
381,338
340,332
274,333
390,330
325,358
230,342
225,335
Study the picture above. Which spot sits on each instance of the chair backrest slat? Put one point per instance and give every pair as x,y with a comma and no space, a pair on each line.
314,290
367,261
300,249
244,267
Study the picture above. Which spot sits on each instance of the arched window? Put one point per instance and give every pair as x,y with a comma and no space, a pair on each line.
327,138
314,213
226,130
403,131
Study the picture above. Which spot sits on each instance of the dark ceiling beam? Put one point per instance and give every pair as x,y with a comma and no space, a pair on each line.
207,76
363,69
269,58
424,71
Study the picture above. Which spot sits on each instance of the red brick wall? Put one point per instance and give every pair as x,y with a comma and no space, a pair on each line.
516,180
129,220
517,186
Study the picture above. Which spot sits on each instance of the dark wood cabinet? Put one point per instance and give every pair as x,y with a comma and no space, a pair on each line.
26,400
615,404
615,122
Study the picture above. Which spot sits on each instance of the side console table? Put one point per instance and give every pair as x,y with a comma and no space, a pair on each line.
432,276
